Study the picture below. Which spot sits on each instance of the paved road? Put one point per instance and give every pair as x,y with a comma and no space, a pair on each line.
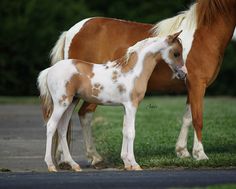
23,137
118,179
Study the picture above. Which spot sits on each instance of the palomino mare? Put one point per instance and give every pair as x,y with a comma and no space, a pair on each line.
121,82
207,29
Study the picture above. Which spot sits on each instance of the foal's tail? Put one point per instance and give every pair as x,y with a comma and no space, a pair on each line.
57,53
47,103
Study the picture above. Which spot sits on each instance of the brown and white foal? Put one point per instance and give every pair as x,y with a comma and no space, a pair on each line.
121,82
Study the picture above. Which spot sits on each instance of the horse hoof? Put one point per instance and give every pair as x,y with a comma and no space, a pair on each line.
200,155
64,166
182,153
96,161
128,168
133,168
100,165
76,168
52,169
136,168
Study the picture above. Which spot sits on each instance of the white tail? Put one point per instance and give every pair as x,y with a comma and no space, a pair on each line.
47,104
234,35
57,53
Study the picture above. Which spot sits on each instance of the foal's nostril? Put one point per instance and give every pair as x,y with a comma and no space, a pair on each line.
181,74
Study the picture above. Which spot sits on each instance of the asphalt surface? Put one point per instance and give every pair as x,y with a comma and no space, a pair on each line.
23,139
118,179
22,147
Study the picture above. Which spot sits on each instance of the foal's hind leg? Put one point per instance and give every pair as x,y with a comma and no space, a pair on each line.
51,128
86,115
62,131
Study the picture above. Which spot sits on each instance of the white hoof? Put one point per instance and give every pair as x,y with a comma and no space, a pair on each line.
133,168
52,169
182,152
199,155
76,168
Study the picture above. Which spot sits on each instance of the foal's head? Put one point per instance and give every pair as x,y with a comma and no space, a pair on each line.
172,55
168,49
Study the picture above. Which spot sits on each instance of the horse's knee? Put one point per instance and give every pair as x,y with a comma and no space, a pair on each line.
51,128
187,118
129,134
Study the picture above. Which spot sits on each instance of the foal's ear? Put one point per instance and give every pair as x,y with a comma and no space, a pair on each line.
173,37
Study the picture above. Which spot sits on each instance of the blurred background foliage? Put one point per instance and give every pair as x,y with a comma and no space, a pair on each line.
30,28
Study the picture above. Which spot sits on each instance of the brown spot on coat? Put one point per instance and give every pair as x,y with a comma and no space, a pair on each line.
97,85
121,88
63,98
95,92
84,67
97,88
129,65
114,76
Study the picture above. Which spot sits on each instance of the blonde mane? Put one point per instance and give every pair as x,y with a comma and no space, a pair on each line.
172,25
201,12
208,10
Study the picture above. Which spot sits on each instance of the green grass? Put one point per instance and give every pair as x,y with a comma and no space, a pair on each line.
158,123
223,186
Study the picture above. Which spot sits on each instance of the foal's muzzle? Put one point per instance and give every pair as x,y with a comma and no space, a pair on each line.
181,74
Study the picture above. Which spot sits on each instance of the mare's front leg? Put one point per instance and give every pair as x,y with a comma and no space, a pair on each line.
127,151
181,145
86,115
196,91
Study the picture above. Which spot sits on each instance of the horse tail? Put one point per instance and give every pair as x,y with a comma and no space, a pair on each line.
46,99
57,53
234,35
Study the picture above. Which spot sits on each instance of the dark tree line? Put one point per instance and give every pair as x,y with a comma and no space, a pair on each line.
30,28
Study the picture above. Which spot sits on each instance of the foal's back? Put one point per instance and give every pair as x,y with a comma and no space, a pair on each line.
97,83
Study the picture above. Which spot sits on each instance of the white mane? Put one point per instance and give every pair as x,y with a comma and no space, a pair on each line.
186,19
148,45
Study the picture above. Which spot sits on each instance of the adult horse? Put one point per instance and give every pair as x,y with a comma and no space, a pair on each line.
207,29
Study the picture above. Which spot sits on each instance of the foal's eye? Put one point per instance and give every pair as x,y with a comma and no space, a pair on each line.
176,54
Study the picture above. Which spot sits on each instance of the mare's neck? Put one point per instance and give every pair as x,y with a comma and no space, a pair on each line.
221,29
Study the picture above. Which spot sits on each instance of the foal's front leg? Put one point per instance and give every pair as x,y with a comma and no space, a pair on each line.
127,152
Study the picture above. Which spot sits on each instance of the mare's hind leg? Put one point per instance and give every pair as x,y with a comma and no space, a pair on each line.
181,145
62,131
52,125
86,115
